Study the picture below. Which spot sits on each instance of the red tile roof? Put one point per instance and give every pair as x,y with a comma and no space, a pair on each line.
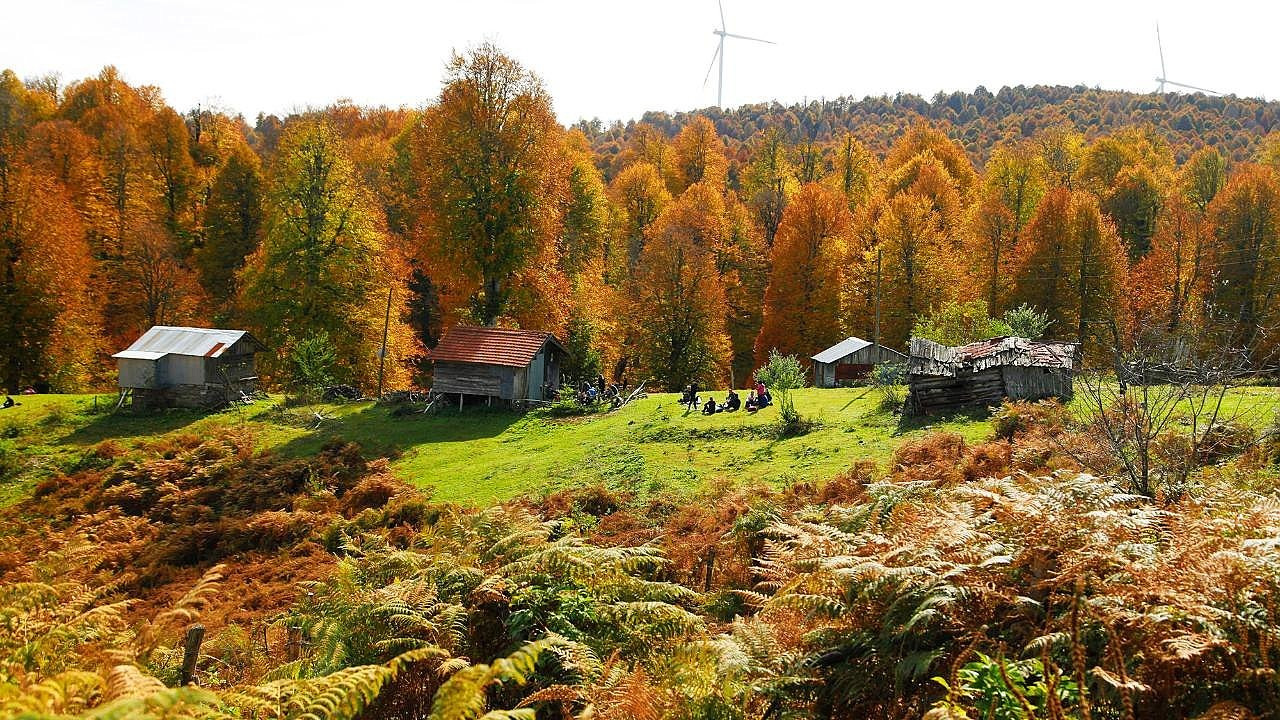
490,346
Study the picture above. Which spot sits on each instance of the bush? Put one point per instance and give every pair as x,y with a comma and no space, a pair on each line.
888,380
782,374
959,323
1025,321
311,364
1017,419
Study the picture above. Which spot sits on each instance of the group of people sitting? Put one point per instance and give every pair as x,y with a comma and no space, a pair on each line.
757,398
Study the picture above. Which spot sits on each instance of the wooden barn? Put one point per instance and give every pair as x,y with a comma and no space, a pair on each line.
513,365
984,373
188,367
850,359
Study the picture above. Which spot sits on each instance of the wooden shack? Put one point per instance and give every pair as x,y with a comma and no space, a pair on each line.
850,359
501,363
984,373
188,367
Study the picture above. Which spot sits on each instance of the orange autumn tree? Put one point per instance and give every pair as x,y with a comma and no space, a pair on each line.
1071,266
918,271
678,301
1169,283
699,155
802,302
484,162
1243,309
45,315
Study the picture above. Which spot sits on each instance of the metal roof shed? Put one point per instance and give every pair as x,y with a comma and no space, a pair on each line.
188,366
849,359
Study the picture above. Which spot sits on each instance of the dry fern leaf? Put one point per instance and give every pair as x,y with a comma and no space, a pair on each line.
127,681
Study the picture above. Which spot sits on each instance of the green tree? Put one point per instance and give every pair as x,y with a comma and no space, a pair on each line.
955,323
318,266
781,374
233,222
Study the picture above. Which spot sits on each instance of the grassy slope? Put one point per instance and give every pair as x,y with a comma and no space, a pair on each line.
480,456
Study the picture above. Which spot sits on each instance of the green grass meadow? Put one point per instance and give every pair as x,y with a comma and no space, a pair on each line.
480,456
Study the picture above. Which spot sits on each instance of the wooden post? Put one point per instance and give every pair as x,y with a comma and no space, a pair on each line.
191,653
382,355
879,253
459,402
293,643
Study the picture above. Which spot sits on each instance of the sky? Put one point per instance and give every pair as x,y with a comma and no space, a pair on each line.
615,60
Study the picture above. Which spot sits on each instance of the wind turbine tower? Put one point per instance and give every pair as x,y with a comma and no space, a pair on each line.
719,53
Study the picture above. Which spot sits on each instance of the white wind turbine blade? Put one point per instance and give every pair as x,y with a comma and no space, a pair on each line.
1193,87
712,66
744,37
1160,46
721,4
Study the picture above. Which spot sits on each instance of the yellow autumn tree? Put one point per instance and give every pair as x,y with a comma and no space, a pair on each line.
1071,266
677,296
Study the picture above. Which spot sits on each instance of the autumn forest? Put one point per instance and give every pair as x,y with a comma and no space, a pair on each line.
676,248
1107,552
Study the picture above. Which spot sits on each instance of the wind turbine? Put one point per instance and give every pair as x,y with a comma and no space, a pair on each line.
1163,80
719,53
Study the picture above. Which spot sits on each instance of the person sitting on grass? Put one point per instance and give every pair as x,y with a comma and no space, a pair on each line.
763,398
731,402
752,403
709,408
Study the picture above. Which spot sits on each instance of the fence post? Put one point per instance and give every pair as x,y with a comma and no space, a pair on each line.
191,653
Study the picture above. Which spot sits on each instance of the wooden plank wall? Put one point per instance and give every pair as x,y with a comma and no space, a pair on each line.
939,394
469,379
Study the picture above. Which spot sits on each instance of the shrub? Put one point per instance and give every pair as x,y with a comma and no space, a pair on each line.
1017,419
936,457
1025,321
888,379
782,374
311,364
959,323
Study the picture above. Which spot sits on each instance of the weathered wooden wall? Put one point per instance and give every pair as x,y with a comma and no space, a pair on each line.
1033,383
474,379
944,394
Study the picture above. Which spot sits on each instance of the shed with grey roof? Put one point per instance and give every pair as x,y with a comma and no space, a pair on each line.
984,373
188,367
850,359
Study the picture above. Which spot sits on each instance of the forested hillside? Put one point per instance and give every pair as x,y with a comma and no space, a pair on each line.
980,120
677,248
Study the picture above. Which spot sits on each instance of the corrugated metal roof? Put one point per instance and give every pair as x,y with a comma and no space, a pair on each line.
848,346
169,340
490,346
139,355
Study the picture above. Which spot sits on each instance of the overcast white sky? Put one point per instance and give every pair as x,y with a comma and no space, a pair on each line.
614,60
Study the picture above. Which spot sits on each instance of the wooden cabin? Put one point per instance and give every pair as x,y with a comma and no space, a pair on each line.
945,379
501,363
188,367
850,359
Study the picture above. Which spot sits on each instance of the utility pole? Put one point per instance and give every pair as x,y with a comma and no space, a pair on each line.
382,354
879,254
